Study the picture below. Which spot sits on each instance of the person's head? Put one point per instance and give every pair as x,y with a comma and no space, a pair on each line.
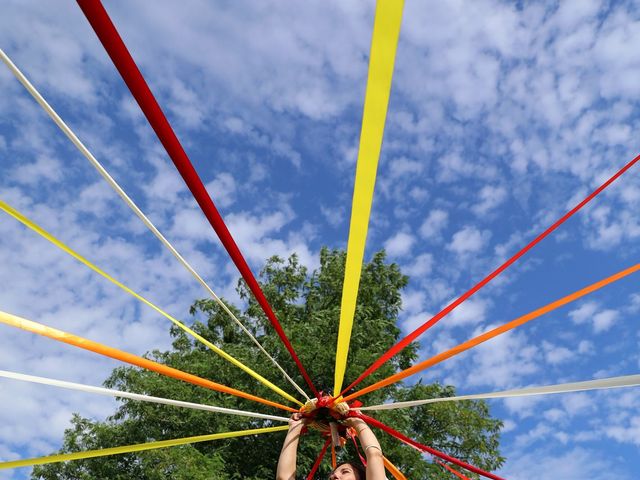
348,471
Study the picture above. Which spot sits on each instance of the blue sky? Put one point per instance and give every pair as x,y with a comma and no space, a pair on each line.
502,116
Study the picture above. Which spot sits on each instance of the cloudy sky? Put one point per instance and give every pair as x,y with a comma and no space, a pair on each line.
503,115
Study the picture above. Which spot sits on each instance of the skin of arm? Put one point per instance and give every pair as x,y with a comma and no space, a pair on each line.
287,462
371,447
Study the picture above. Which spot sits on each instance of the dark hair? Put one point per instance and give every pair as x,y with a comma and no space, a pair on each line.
359,469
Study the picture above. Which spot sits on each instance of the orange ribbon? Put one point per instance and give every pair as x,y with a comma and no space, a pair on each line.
494,333
126,357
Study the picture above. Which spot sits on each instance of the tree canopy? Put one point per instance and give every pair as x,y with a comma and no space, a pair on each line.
307,305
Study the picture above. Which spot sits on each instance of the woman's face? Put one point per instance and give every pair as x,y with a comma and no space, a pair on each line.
344,472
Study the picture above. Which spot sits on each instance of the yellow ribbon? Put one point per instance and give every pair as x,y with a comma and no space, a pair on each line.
43,233
64,457
384,42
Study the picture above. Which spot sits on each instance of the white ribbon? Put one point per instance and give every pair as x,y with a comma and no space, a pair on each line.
135,396
89,156
613,382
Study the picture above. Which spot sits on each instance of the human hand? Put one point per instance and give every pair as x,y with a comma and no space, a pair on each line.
354,422
296,420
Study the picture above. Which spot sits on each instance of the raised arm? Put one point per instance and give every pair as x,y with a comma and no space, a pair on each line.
287,462
371,447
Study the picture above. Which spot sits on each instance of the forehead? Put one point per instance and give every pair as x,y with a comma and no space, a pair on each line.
345,468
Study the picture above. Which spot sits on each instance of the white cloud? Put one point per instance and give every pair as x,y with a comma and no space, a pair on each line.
454,167
438,291
578,403
235,125
508,426
400,244
433,225
96,199
398,175
403,166
412,300
186,106
419,266
626,433
523,407
489,199
470,312
414,321
589,312
542,431
334,216
222,189
583,313
555,355
555,415
192,224
42,170
469,240
634,306
575,464
503,361
603,321
585,347
165,186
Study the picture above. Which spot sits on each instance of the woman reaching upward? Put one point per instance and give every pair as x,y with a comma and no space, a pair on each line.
344,471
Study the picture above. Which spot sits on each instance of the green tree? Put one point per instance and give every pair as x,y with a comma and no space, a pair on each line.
308,307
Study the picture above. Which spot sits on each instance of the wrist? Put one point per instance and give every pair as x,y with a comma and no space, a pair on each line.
371,450
355,422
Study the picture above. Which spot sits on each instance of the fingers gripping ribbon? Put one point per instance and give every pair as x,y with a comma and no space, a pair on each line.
325,414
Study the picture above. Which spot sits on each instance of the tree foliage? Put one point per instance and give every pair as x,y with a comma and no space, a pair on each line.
307,305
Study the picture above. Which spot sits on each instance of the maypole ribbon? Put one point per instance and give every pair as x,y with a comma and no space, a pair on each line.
319,458
353,436
131,204
424,448
384,42
65,457
494,333
43,233
117,51
599,384
135,396
400,345
334,462
449,469
393,470
86,344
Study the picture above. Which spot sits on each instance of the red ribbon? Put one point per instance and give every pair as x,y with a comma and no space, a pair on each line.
117,50
449,308
353,438
316,465
424,448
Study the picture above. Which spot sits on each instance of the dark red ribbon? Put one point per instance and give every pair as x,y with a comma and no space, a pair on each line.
424,448
449,308
117,50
